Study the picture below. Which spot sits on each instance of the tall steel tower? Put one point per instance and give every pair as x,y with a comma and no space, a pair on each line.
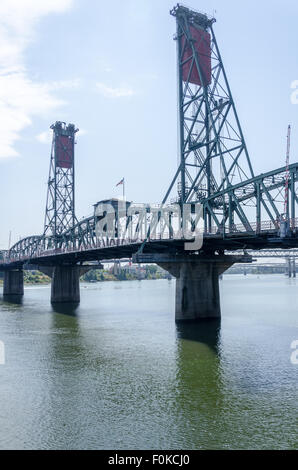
60,208
212,150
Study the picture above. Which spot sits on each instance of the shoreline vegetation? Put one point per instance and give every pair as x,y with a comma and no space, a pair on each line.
119,274
134,273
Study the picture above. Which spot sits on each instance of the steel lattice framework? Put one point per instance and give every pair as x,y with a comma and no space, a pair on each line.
60,207
215,167
241,210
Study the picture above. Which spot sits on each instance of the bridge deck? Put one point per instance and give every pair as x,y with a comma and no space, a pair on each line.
117,249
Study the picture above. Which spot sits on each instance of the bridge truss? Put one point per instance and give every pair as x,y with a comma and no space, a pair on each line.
214,169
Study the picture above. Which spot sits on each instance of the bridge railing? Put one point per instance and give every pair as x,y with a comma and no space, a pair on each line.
39,250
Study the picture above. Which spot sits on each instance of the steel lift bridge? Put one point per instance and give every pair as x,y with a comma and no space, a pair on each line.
241,211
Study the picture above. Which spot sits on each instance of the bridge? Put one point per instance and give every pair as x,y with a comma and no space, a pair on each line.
214,209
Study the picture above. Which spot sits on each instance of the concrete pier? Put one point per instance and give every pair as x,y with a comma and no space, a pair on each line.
65,284
13,284
197,292
288,267
197,288
197,281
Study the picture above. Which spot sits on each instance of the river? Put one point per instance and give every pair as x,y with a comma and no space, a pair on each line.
118,373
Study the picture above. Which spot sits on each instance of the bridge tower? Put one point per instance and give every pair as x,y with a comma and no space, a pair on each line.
60,207
60,210
212,150
213,157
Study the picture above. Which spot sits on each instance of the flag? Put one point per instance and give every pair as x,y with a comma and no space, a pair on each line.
120,182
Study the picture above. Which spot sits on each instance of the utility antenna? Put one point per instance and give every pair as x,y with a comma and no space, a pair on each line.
286,207
9,240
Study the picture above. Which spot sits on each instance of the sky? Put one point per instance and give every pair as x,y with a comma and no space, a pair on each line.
110,68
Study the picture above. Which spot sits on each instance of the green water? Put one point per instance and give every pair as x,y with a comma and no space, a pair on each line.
119,374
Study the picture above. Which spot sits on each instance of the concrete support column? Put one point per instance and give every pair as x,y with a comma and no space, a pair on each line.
13,282
289,267
197,275
65,284
197,292
197,288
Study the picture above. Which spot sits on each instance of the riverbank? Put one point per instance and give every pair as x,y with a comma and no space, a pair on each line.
149,272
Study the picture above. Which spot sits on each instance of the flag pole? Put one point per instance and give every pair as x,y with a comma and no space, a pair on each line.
123,189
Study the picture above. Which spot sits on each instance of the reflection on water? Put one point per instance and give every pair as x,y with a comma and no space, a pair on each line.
117,372
13,299
206,332
66,308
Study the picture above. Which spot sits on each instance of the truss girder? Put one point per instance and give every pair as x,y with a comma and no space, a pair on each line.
260,191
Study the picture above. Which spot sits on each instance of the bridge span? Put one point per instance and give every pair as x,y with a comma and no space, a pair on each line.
214,197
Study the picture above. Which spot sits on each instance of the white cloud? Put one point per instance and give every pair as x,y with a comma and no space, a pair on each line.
71,84
45,137
20,97
109,92
20,16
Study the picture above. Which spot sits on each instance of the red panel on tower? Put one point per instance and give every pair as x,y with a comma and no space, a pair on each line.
64,151
202,44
